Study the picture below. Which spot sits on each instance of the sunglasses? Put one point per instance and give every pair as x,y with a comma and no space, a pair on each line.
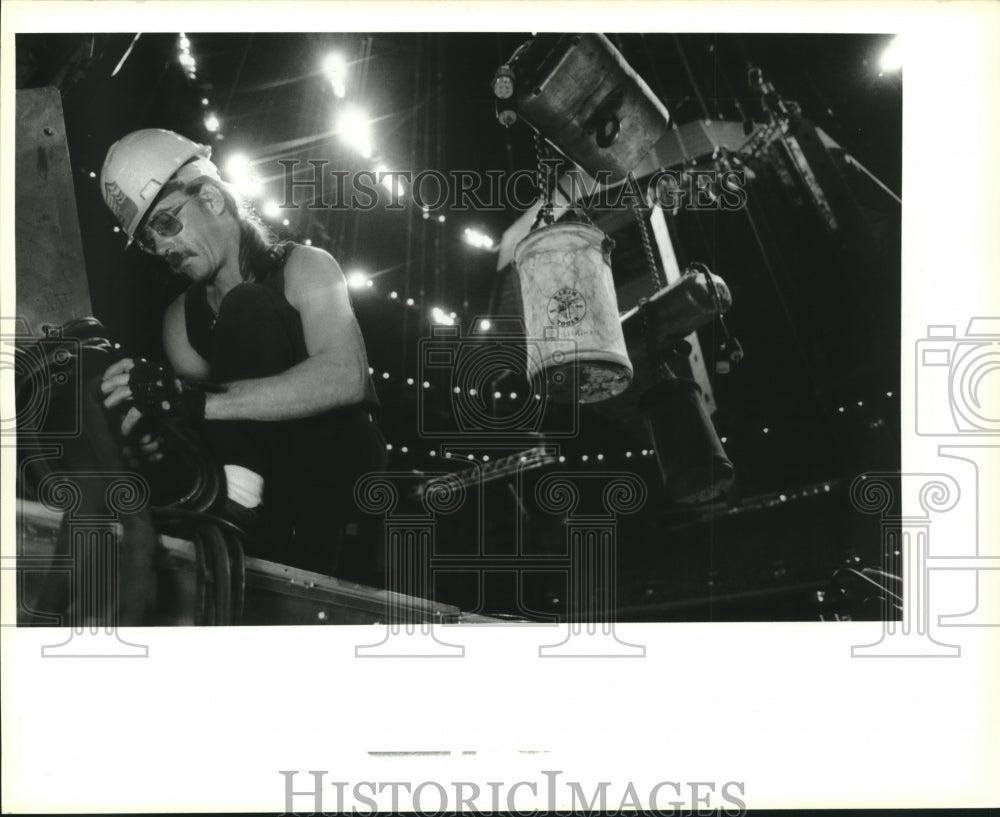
164,224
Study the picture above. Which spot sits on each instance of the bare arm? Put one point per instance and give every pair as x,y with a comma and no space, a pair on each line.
182,356
184,360
335,372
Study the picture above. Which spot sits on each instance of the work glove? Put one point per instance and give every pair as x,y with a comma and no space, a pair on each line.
157,391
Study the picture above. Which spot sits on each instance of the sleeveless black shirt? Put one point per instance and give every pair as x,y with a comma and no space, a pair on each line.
199,320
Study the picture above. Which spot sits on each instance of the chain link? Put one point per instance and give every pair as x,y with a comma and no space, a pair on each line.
544,183
647,244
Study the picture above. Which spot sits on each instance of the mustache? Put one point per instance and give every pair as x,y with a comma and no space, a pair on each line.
174,258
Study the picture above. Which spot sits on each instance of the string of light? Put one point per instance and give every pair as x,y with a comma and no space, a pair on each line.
583,458
188,62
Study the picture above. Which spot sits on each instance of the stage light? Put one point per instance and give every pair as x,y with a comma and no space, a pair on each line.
355,129
485,324
892,57
184,57
387,181
285,223
477,239
357,279
441,317
271,209
335,68
212,123
240,174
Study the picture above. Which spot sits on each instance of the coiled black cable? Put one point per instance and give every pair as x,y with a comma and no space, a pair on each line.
218,542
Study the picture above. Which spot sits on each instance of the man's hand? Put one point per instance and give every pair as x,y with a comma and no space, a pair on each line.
153,389
114,382
146,449
158,392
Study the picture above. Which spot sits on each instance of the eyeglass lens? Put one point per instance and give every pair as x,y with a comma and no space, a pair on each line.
165,224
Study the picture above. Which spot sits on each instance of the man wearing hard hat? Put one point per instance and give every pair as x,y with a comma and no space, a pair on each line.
264,352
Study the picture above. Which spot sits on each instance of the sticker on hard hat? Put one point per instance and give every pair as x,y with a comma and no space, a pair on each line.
122,206
151,190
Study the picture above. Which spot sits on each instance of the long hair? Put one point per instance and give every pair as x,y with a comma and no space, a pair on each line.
260,252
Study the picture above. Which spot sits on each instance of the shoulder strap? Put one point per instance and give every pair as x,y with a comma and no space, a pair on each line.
198,319
275,279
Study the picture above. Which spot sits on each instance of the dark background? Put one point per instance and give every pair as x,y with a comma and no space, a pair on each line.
819,322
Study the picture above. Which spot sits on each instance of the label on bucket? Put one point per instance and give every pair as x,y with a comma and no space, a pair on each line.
567,307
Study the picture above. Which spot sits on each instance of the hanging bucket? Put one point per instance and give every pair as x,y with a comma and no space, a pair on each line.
574,335
692,461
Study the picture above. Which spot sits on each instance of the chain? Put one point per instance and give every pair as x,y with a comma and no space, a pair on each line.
578,209
647,244
544,183
646,317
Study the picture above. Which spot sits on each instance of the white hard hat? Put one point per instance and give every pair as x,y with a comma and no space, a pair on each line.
140,163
